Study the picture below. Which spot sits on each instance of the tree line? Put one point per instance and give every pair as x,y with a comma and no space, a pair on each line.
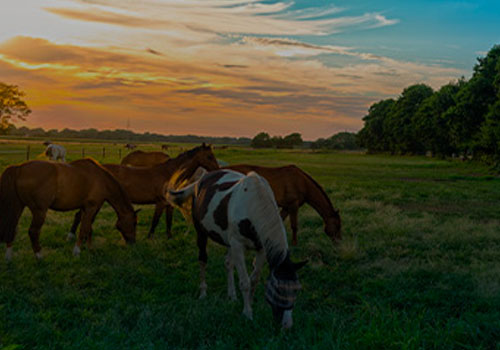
462,118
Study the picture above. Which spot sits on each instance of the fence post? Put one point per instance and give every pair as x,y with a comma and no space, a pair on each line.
83,152
28,152
104,152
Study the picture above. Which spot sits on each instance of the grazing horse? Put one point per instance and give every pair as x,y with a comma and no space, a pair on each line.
164,147
141,158
40,185
145,185
130,146
239,211
292,188
55,152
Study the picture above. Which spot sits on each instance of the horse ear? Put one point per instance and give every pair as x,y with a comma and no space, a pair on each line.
299,265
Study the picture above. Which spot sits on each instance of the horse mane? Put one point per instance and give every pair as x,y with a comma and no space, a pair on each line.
268,226
317,185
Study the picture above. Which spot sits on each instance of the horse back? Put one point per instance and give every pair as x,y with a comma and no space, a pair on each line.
288,183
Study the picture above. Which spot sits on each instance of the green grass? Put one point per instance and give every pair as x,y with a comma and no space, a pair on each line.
419,268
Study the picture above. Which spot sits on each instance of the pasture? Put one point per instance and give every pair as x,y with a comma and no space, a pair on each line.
418,267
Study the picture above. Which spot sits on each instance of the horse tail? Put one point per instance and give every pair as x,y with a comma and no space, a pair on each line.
177,198
11,206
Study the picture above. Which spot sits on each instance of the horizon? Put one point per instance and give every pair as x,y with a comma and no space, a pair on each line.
232,68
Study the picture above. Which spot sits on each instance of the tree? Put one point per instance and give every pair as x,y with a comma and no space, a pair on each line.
403,138
432,123
375,134
12,105
294,139
261,140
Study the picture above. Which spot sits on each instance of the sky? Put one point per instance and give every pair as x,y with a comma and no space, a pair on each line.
232,67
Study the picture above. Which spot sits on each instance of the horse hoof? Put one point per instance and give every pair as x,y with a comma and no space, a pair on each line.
248,314
203,295
38,255
71,236
76,251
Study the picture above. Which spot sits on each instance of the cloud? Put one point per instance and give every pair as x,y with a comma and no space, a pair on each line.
245,17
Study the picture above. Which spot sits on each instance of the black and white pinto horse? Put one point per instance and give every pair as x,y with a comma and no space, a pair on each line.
240,212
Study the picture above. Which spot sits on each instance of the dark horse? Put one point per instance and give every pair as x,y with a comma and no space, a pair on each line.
145,185
292,187
41,185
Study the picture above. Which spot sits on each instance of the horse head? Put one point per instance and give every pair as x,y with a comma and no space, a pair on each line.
333,227
205,157
127,224
281,291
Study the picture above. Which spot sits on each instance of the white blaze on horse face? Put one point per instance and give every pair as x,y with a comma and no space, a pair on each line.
287,320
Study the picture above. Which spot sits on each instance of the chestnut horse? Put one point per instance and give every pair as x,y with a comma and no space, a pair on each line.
292,188
141,158
145,185
41,185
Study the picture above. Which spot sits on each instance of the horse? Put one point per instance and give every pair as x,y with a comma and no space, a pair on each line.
164,147
130,146
239,211
145,185
41,185
141,158
292,188
55,152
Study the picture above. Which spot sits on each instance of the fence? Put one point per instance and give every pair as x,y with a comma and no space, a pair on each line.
18,153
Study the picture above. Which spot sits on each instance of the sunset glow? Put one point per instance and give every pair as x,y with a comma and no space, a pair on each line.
230,67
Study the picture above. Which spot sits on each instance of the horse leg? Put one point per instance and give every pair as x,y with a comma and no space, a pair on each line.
238,256
34,230
169,210
89,240
259,261
294,213
74,226
85,228
15,221
231,293
156,218
201,241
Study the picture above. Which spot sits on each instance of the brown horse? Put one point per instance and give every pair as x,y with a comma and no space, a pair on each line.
145,185
42,185
292,188
141,158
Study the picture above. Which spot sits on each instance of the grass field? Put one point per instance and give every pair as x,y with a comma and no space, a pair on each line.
419,268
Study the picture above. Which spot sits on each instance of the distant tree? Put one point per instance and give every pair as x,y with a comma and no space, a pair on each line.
403,139
278,142
261,140
339,141
12,105
431,122
375,134
292,140
474,101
